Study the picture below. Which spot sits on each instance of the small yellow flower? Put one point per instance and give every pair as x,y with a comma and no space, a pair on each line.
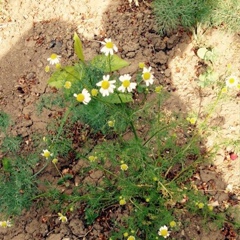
46,154
158,89
47,69
54,59
68,85
44,139
111,123
94,92
125,234
163,231
122,201
141,65
238,86
58,65
124,167
92,158
173,224
147,199
131,238
200,205
5,224
210,207
229,66
192,120
224,90
54,161
155,179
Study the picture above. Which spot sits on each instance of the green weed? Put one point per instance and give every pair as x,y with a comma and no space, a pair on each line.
186,13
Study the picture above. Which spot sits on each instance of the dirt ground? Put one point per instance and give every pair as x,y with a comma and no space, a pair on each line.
31,30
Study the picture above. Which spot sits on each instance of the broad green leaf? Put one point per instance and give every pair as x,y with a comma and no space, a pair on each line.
118,98
78,47
103,62
69,73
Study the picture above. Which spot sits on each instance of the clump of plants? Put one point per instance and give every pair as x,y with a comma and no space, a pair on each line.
137,159
189,14
18,185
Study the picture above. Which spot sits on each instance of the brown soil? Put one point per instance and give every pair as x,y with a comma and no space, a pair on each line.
31,30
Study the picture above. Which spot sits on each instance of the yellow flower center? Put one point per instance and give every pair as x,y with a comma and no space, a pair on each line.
46,154
231,80
105,84
47,68
126,83
131,238
4,224
164,232
200,205
58,66
141,65
67,84
53,56
55,160
158,89
146,76
92,158
109,45
122,201
124,167
224,90
94,92
173,224
80,97
111,123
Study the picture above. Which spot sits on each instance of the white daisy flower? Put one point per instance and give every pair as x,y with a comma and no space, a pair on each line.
163,231
5,224
46,154
108,47
107,86
54,59
231,81
126,84
83,97
147,76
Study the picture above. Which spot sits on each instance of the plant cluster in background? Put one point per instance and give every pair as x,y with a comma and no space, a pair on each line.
141,158
187,13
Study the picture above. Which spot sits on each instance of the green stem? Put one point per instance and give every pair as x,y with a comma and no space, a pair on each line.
154,135
130,121
57,137
184,170
58,170
134,130
109,62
